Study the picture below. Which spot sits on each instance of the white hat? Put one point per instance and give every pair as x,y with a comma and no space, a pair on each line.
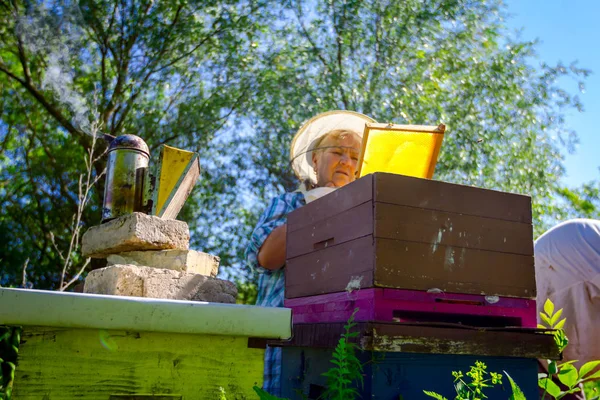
315,128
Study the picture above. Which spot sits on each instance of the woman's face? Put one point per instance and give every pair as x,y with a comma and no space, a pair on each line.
335,165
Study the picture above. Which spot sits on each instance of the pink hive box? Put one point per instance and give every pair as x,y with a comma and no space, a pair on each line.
384,305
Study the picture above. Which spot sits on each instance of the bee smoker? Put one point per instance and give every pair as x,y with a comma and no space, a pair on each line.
128,157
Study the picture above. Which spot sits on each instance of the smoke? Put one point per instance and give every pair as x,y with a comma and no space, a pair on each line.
55,34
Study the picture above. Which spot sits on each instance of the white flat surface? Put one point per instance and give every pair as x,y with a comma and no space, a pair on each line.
77,310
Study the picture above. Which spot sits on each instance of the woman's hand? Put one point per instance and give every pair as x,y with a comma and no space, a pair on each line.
272,253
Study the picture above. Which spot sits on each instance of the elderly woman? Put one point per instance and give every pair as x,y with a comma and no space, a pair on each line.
324,155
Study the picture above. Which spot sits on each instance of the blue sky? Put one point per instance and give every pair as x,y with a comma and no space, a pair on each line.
569,31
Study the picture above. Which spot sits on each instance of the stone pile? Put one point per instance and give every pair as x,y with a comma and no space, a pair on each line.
149,256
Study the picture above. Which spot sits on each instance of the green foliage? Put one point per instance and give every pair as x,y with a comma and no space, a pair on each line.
10,338
584,201
517,393
234,79
566,372
479,380
171,72
262,395
551,320
592,390
347,371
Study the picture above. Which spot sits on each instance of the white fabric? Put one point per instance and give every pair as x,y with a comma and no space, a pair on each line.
313,194
567,270
313,129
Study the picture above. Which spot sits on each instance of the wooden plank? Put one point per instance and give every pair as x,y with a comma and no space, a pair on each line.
424,339
334,269
95,364
398,305
340,228
448,197
423,266
441,128
450,229
345,198
417,338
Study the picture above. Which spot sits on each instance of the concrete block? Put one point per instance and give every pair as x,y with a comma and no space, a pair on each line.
132,280
190,261
135,232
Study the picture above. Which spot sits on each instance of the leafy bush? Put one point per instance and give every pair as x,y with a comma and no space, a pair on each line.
347,369
10,337
565,372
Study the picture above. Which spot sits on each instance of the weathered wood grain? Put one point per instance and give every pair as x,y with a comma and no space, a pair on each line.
420,338
424,266
409,265
340,228
61,364
451,229
345,198
348,266
448,197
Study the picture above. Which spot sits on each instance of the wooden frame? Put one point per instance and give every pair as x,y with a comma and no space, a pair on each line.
181,190
439,129
395,231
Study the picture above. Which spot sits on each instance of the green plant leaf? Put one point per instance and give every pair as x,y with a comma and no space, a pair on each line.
549,307
555,318
561,339
434,395
587,368
595,375
567,363
517,393
550,387
545,319
568,375
262,395
560,324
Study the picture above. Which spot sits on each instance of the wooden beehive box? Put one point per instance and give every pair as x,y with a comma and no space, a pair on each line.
399,360
87,346
394,231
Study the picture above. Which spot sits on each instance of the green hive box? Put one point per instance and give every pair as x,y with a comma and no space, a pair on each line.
122,348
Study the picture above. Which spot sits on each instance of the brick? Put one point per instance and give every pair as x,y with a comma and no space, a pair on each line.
135,232
140,281
190,261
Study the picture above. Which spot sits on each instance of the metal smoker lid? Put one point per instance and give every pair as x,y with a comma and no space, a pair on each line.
132,142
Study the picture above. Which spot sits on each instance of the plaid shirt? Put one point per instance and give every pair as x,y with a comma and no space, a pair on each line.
271,284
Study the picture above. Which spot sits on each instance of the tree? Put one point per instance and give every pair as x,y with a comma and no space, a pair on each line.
421,62
167,71
415,62
235,80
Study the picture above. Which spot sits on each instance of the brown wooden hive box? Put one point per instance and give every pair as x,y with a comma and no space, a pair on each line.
394,231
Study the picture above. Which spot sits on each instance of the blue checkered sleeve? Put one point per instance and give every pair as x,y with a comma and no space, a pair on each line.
271,284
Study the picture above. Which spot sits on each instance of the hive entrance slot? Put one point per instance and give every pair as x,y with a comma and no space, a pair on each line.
488,321
464,302
323,244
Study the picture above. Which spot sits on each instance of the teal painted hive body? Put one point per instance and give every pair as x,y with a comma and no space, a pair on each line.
109,347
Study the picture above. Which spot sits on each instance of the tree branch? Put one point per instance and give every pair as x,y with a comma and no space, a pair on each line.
307,36
62,120
338,30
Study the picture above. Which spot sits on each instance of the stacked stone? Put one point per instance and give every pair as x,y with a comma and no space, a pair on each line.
149,256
